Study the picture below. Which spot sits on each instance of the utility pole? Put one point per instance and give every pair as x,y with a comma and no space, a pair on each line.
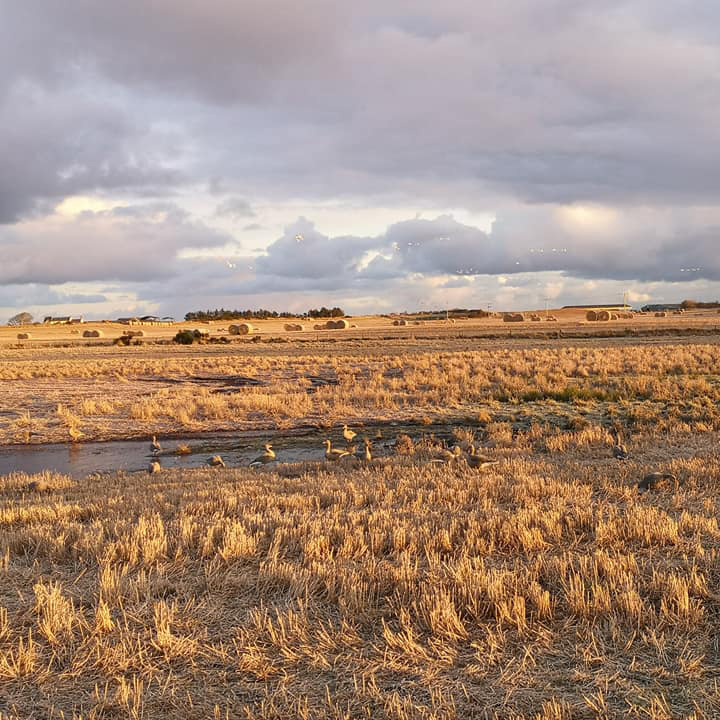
546,306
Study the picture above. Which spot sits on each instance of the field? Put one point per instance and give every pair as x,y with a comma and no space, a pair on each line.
545,586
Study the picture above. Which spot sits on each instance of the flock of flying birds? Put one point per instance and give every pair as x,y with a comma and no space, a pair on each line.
468,454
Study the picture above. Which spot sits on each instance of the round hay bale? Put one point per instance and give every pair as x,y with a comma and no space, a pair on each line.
23,336
288,327
535,318
93,334
513,317
241,329
613,316
319,327
399,321
342,324
330,325
661,314
603,316
551,318
591,316
294,327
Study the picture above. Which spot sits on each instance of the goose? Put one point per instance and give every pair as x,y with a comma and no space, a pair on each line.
332,453
651,479
154,468
367,454
478,462
348,434
216,461
155,445
447,456
267,457
620,451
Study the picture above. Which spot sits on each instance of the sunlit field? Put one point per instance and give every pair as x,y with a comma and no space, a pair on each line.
544,584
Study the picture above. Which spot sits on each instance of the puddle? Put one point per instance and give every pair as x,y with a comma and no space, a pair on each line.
82,459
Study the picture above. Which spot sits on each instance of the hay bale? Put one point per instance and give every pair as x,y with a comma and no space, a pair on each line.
603,316
241,329
535,318
293,327
93,334
591,316
551,318
513,317
613,316
661,314
319,327
400,321
341,324
23,336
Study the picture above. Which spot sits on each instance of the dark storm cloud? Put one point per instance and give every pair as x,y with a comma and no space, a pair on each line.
553,102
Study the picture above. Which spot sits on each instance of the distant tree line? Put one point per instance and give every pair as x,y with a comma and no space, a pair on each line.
223,314
325,312
695,304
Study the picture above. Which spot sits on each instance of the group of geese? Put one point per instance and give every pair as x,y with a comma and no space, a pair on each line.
468,453
333,454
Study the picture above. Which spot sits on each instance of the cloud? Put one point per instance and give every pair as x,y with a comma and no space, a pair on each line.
593,129
235,208
141,244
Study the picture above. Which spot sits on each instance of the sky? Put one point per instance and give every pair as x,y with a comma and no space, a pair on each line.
167,156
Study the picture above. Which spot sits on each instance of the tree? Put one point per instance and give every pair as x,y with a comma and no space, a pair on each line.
23,318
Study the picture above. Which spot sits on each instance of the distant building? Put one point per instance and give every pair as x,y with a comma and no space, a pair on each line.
63,320
661,307
147,320
616,306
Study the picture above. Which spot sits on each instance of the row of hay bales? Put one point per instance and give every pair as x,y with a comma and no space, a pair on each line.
606,316
93,334
340,324
399,321
513,317
241,329
294,327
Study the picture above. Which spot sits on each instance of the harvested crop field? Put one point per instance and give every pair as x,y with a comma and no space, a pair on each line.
522,573
545,587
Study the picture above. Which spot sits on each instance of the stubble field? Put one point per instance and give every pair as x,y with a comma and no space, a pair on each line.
544,586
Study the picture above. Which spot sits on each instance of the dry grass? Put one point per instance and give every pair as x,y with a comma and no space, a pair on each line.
105,394
547,588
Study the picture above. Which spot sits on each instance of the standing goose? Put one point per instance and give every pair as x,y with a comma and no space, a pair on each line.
267,457
216,461
367,454
348,434
332,453
155,446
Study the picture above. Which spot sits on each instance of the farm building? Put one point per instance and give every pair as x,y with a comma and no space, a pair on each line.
147,320
63,320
